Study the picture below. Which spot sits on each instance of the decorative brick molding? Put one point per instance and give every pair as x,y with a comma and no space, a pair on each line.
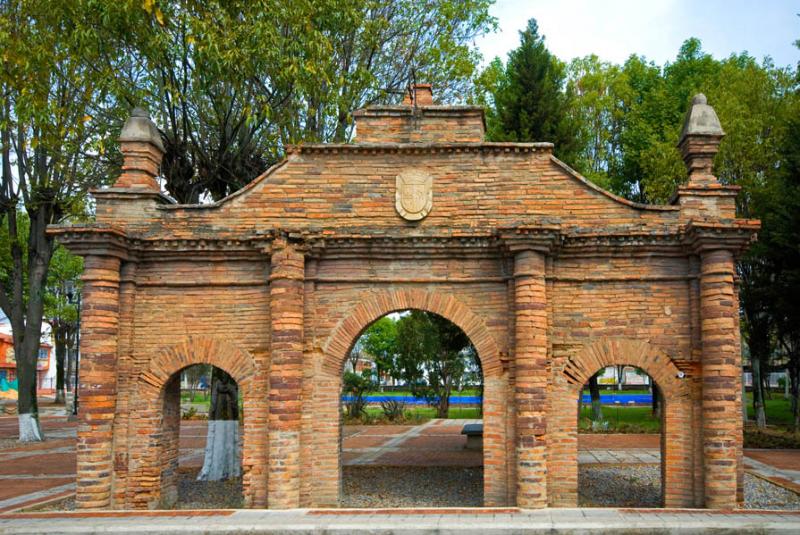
569,377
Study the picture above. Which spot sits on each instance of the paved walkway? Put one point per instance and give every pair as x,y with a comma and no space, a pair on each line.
46,471
435,443
439,521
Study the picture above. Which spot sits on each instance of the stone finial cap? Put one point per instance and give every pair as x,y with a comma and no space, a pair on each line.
140,128
701,119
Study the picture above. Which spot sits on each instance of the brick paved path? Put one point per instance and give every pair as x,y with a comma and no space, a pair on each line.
33,473
435,443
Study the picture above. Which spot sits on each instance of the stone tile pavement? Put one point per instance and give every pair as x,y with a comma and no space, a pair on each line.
439,521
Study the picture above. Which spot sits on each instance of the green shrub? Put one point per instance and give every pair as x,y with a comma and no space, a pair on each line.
393,410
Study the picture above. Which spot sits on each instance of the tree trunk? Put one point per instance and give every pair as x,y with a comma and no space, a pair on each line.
744,399
27,405
656,398
794,378
60,337
443,407
222,441
594,390
758,393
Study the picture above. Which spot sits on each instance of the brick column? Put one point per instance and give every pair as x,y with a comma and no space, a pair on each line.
285,377
530,390
721,366
98,386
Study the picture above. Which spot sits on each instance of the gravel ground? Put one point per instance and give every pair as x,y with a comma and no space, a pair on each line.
761,494
619,485
640,486
193,494
384,486
388,486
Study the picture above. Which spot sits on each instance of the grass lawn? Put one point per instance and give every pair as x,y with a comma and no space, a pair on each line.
779,432
622,419
198,397
778,409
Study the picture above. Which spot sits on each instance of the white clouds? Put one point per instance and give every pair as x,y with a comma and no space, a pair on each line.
615,29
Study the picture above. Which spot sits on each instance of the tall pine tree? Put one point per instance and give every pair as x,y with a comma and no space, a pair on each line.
531,103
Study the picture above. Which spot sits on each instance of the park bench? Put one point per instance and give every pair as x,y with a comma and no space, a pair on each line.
474,434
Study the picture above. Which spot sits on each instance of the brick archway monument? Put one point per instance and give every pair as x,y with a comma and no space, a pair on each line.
326,468
549,275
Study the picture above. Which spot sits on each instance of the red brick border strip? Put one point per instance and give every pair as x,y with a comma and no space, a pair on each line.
117,514
765,512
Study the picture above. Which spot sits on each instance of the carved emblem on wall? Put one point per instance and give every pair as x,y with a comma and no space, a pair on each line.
414,195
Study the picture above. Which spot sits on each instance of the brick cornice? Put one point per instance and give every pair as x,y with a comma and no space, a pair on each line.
735,236
93,240
543,239
694,238
133,193
420,148
347,246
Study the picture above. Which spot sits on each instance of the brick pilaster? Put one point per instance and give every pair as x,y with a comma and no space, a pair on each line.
97,387
530,391
721,366
125,379
285,377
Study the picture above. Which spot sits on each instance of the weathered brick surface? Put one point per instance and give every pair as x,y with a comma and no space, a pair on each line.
550,277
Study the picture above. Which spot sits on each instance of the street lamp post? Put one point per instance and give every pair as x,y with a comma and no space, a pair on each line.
74,297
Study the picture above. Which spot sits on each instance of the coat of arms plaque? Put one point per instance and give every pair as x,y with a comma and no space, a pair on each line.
414,194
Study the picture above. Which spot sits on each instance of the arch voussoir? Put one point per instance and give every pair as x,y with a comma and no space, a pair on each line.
376,305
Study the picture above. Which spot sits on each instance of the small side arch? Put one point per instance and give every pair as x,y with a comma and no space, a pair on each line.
640,353
198,350
677,451
153,456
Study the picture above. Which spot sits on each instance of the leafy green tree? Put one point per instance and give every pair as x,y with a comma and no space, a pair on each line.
432,354
602,95
379,341
60,313
231,82
776,255
53,91
530,100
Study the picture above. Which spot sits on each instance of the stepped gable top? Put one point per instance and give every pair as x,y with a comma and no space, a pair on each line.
418,126
415,170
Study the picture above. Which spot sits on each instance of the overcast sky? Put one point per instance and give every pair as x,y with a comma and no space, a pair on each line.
615,29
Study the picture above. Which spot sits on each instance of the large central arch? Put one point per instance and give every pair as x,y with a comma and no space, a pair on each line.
326,467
